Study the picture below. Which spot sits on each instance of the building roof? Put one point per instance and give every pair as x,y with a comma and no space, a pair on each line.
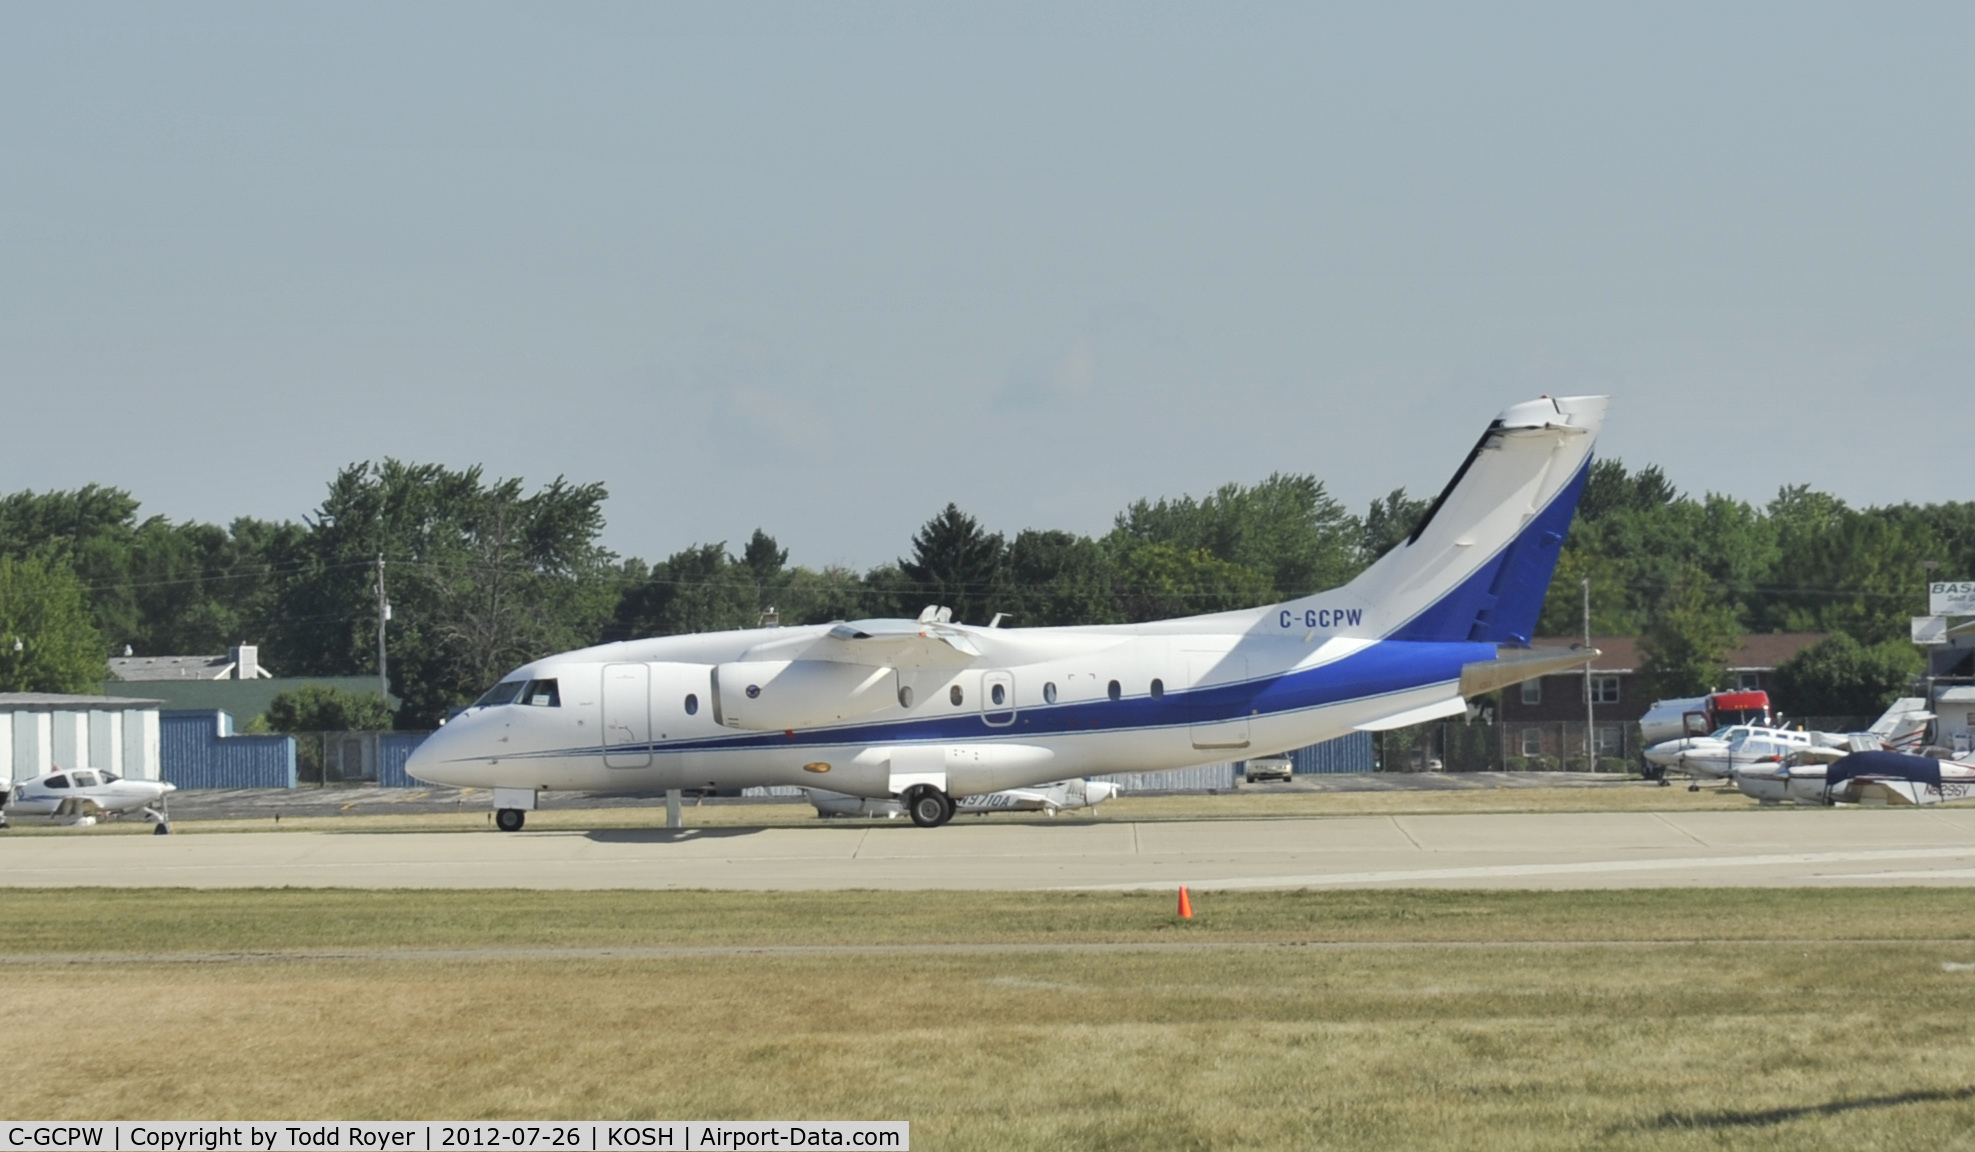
243,699
14,701
1759,652
171,667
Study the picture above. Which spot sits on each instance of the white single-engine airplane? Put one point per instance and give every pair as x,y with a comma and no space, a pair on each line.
77,796
1064,795
928,711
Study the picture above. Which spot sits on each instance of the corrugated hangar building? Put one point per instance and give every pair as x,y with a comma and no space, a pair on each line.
40,731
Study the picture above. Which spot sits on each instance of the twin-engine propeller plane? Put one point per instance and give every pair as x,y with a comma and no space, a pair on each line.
930,710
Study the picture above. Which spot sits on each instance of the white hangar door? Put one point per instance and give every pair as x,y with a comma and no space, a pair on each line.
626,715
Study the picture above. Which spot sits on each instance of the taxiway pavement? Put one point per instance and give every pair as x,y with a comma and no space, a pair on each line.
1780,847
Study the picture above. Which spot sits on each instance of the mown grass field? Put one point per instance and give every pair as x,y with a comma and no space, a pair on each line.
1632,1019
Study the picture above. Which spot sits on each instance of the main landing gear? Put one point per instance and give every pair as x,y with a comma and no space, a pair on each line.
928,806
510,819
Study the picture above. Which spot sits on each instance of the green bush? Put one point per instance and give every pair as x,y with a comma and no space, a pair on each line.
320,708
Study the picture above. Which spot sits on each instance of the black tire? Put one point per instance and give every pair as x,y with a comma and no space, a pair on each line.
928,807
510,819
952,807
163,828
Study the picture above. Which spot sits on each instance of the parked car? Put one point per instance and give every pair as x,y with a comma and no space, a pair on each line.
1270,768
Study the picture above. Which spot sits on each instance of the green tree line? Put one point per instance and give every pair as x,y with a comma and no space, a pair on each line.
484,574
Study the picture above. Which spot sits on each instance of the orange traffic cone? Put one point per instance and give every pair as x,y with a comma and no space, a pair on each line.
1186,906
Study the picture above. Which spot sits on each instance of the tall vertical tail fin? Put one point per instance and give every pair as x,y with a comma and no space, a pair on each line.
1478,564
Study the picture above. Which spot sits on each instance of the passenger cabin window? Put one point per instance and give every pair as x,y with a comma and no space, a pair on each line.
692,704
1158,689
84,779
542,694
58,781
905,695
1114,691
502,693
998,694
1049,692
956,695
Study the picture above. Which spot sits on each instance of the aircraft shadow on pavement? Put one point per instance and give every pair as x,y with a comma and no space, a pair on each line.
1770,1116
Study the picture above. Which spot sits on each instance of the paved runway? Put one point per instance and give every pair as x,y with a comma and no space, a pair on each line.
1785,847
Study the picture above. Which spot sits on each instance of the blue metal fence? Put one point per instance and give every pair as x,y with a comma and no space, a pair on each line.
1351,753
393,749
199,750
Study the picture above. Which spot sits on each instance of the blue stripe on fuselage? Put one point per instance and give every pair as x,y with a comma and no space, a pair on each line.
1382,669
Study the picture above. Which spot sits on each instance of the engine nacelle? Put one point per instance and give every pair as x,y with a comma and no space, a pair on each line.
772,695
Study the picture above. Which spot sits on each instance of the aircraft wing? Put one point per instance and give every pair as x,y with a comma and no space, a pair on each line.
880,644
78,806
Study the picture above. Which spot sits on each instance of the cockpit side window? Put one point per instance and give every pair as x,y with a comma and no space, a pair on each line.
502,693
542,694
58,782
84,779
111,777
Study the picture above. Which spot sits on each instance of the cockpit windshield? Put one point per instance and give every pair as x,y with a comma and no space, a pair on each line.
1730,732
502,693
540,693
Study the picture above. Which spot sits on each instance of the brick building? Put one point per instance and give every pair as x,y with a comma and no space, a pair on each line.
1545,717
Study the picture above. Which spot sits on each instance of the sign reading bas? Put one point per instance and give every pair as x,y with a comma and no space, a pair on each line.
1951,598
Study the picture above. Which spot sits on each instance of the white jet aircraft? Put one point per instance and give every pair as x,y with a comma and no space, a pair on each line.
77,796
930,711
1051,798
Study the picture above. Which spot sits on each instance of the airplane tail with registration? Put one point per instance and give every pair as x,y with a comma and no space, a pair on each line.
1477,565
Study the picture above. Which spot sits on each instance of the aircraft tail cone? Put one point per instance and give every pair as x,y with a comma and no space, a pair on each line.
1186,905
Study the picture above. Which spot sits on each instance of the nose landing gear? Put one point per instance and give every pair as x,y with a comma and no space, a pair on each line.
928,806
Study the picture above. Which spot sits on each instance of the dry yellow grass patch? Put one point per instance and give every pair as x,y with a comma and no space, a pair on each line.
1717,1019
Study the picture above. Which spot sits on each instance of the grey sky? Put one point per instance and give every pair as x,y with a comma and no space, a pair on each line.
824,269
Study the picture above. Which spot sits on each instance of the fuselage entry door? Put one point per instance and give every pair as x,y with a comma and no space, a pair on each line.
1217,701
627,715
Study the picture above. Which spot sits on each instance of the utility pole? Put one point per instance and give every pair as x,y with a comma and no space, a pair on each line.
383,615
1590,744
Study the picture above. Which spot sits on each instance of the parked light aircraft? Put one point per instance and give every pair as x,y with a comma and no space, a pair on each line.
1731,750
1866,777
77,796
931,710
1051,798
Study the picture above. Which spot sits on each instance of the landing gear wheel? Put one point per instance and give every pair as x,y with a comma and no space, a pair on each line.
510,819
928,806
1693,787
162,828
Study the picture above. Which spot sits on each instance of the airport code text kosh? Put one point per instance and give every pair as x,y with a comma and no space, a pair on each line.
434,1136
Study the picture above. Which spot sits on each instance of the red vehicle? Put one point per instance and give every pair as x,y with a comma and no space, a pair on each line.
1703,715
